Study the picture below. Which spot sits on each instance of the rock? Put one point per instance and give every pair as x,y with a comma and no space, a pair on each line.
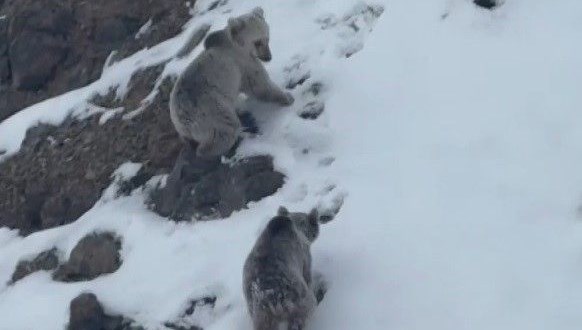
60,172
171,201
86,313
59,207
47,260
71,42
4,63
94,255
114,30
11,98
262,184
53,17
37,41
489,4
203,191
34,57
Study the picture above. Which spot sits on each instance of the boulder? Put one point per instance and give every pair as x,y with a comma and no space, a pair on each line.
86,313
94,255
47,260
205,190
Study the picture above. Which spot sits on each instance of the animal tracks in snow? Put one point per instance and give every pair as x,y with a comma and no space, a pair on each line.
353,27
309,135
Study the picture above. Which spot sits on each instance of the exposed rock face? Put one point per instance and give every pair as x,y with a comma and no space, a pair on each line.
61,171
38,41
47,260
4,64
94,255
86,313
48,47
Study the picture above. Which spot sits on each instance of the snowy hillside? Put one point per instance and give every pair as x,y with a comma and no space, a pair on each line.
451,134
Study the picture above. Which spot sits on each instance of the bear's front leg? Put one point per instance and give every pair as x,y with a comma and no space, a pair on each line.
260,86
318,286
272,93
281,97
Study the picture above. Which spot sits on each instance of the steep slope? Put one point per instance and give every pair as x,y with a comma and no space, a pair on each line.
452,139
459,141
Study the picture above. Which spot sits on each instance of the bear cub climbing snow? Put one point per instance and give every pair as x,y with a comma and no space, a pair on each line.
202,103
277,279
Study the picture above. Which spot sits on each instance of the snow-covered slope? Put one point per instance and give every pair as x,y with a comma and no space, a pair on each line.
453,138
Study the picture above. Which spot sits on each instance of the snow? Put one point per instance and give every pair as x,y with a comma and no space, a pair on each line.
452,138
144,29
471,132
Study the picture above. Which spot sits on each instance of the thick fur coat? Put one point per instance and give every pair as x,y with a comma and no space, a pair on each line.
277,279
202,103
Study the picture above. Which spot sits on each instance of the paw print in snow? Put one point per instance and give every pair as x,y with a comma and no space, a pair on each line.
353,27
297,72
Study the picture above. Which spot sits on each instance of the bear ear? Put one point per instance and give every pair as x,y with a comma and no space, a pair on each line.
283,211
259,12
313,216
235,24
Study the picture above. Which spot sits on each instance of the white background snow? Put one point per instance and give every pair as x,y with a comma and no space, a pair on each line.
457,140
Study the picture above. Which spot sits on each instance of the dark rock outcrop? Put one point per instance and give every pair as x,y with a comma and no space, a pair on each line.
206,190
4,63
489,4
38,35
47,260
48,47
61,171
86,313
94,255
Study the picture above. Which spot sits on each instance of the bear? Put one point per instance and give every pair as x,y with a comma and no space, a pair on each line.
277,277
203,100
